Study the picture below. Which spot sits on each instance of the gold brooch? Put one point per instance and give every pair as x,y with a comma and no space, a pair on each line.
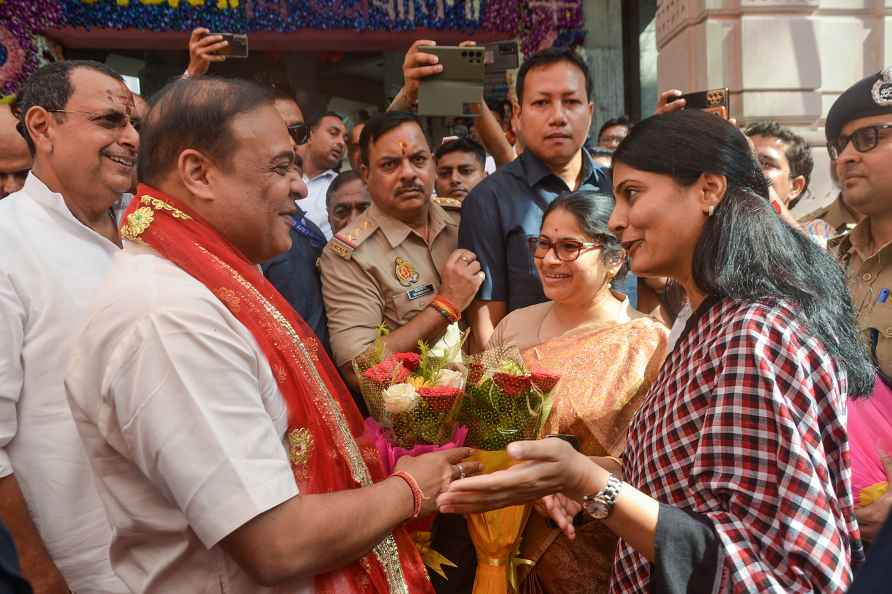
137,222
300,446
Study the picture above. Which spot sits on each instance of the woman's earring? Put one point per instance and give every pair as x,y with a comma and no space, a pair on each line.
710,211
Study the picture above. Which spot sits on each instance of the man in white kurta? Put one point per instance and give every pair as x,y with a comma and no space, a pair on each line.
50,268
187,439
51,265
173,395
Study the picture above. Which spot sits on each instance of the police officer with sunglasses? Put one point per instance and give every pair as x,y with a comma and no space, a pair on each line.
859,139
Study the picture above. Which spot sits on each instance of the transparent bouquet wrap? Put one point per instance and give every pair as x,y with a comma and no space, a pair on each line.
503,402
414,397
414,400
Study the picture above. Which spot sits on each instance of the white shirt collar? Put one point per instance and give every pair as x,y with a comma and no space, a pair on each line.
326,173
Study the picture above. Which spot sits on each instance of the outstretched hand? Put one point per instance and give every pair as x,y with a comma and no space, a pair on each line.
434,471
548,466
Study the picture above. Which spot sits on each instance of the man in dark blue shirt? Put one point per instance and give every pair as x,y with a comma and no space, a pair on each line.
294,273
295,276
554,91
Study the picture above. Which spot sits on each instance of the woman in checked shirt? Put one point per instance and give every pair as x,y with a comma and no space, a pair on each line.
737,475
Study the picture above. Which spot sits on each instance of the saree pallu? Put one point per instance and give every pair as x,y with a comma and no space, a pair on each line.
325,438
606,369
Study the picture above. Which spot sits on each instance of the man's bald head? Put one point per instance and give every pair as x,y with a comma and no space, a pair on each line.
15,158
194,114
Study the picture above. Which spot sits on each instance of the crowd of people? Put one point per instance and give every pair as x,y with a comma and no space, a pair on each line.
186,283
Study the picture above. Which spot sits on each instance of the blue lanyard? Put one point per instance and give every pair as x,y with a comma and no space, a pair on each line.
299,225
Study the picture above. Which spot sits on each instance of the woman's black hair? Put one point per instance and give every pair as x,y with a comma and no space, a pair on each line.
745,250
592,211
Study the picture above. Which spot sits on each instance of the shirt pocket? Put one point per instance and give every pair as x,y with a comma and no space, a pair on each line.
402,309
879,319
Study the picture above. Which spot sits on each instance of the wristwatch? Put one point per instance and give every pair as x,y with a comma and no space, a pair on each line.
601,503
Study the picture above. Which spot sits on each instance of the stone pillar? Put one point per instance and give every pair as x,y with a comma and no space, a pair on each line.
604,48
785,60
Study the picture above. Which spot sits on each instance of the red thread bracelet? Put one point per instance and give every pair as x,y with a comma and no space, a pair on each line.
417,493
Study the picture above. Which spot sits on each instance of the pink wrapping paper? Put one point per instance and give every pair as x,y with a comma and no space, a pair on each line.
870,430
391,453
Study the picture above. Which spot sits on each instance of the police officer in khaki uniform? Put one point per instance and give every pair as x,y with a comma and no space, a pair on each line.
838,218
859,139
390,263
834,221
387,267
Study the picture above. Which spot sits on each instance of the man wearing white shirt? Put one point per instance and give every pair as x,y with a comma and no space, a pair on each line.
57,240
322,155
226,447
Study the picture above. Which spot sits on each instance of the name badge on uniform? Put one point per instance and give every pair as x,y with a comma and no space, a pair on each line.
419,292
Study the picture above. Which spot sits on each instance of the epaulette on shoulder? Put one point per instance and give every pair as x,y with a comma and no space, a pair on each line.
448,203
351,237
820,213
841,246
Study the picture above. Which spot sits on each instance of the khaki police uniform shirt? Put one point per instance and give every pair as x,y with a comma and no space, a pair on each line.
869,278
379,270
836,216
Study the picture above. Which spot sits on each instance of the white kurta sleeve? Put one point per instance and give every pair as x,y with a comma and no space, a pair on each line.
189,404
12,329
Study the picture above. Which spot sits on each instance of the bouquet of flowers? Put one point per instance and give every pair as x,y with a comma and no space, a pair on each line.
414,397
503,402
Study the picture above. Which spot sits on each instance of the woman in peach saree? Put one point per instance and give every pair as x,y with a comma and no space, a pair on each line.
607,355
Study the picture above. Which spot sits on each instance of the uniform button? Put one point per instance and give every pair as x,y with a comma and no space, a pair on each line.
867,277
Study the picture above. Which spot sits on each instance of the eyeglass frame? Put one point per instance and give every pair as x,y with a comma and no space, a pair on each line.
133,121
834,147
583,246
304,134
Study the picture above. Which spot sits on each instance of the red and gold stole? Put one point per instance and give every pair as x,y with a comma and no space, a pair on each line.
324,426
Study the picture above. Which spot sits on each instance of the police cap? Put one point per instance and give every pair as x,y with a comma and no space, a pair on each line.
868,97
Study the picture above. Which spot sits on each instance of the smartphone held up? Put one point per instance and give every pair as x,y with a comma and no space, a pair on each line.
236,45
715,101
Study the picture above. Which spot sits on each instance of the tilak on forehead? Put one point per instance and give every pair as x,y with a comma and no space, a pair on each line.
121,97
404,146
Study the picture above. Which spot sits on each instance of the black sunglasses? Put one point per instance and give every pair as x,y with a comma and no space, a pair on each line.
300,133
863,139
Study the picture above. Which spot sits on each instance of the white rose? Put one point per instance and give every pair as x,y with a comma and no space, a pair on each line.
449,378
449,345
400,398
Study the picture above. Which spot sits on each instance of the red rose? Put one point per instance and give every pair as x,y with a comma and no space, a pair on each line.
389,371
512,385
545,380
440,398
410,361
